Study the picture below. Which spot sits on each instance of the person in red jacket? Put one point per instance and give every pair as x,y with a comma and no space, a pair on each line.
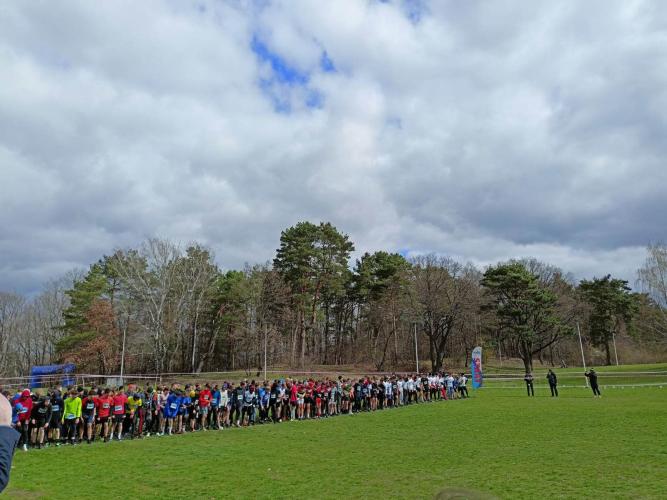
119,410
104,405
204,404
23,425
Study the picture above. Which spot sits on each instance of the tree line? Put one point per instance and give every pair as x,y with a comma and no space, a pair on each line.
171,309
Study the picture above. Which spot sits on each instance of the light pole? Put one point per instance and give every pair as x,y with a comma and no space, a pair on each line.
122,358
266,335
416,349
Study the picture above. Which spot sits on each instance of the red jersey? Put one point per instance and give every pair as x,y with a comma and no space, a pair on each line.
104,406
88,404
119,402
205,398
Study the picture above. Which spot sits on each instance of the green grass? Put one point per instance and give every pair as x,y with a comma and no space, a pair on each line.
499,442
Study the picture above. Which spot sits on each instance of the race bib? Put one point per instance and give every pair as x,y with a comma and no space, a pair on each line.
118,408
172,406
55,408
69,416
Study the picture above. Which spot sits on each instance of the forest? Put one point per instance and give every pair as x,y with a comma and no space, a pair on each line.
162,308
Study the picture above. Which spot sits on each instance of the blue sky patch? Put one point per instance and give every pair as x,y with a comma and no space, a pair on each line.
326,64
285,81
282,71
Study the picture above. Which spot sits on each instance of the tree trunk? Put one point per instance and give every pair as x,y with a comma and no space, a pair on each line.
607,352
527,362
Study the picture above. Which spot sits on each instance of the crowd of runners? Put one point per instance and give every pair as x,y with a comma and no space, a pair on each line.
76,414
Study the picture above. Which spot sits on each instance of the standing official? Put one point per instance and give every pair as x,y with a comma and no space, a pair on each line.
529,384
593,379
553,383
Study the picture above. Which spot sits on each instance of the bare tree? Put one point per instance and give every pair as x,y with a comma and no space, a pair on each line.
150,276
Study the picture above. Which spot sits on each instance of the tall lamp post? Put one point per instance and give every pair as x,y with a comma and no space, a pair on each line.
416,349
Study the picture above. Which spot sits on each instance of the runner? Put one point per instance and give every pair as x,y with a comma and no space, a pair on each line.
104,405
40,417
56,425
119,409
463,380
171,408
24,403
148,409
71,416
88,406
134,404
204,405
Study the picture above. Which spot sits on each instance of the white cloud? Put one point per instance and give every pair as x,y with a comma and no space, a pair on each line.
482,130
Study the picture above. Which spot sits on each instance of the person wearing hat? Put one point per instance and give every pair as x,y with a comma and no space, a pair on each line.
593,379
25,400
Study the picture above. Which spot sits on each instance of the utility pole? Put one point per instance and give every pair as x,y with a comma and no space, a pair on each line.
416,349
122,358
266,336
583,360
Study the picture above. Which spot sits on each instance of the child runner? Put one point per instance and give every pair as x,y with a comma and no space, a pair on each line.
88,414
104,404
71,415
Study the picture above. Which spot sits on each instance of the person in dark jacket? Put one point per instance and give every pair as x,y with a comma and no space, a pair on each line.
529,384
8,439
40,419
553,383
593,379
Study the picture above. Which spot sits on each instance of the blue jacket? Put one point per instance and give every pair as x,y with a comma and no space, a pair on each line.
8,439
173,403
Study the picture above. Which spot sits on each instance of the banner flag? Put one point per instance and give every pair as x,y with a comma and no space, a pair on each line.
476,368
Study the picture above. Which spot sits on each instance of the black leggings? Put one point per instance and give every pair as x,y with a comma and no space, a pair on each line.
596,390
554,390
24,428
529,389
70,429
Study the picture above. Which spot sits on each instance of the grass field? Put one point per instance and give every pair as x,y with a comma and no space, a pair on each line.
499,442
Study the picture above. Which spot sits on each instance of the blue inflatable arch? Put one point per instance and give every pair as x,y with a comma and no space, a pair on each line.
38,373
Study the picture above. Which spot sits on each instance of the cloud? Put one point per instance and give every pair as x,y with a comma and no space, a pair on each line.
481,130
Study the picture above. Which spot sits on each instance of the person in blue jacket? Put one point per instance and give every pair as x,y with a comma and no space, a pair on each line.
214,414
171,409
8,439
183,413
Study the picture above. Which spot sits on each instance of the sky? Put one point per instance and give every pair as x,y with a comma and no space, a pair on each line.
479,130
